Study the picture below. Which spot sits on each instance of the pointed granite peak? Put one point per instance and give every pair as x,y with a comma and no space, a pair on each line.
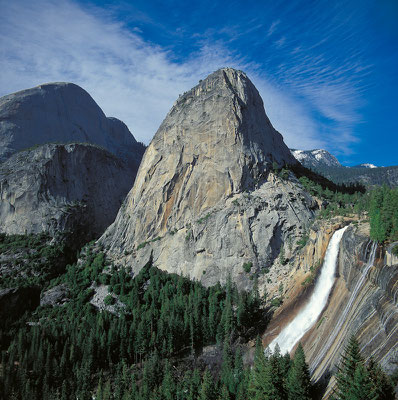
224,82
215,143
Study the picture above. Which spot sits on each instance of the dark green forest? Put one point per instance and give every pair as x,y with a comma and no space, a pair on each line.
378,204
68,350
146,341
147,348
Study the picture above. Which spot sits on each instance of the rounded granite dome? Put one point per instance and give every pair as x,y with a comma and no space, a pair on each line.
60,112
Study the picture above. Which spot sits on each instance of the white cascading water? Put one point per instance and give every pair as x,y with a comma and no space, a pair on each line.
306,318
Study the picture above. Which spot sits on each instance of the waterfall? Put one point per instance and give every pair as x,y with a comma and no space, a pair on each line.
343,316
306,318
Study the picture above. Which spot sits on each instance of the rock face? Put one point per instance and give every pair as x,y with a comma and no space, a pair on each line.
361,304
363,301
62,112
204,201
57,295
316,158
73,190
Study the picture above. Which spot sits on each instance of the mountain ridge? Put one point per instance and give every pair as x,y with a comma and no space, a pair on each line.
315,158
324,163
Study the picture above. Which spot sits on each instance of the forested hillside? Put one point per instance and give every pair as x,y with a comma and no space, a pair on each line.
67,350
142,340
365,176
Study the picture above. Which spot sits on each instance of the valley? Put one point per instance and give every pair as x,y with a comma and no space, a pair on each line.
191,268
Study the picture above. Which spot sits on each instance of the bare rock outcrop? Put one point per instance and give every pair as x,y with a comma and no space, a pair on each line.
363,303
62,112
58,295
71,191
205,201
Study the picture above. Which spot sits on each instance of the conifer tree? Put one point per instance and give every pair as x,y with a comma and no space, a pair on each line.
346,370
98,394
355,381
207,391
382,387
195,383
257,379
224,394
298,381
168,387
227,373
106,394
361,387
274,380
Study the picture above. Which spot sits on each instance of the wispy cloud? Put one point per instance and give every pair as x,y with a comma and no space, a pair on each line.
138,81
280,42
272,28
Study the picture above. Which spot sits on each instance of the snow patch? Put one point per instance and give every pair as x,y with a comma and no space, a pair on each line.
367,165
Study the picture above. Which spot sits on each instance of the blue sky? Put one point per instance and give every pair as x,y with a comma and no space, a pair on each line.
327,70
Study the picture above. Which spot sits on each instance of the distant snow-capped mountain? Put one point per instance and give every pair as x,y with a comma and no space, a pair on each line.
327,165
366,165
315,158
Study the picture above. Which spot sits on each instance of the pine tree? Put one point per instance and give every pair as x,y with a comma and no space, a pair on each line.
361,387
168,387
382,387
207,389
243,387
98,395
256,385
355,381
106,394
274,380
227,373
346,370
195,383
298,381
224,395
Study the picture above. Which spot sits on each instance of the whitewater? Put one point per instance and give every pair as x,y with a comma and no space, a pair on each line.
306,318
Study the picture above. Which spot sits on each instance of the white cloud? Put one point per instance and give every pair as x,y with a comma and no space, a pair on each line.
136,81
273,27
280,42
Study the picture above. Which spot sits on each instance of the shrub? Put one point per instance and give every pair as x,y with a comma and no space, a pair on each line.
282,259
204,219
142,245
303,241
247,266
276,302
109,300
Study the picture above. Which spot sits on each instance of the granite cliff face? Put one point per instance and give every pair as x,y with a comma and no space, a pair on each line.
71,191
363,303
204,201
62,112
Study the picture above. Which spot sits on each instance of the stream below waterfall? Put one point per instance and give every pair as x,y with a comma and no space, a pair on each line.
308,315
